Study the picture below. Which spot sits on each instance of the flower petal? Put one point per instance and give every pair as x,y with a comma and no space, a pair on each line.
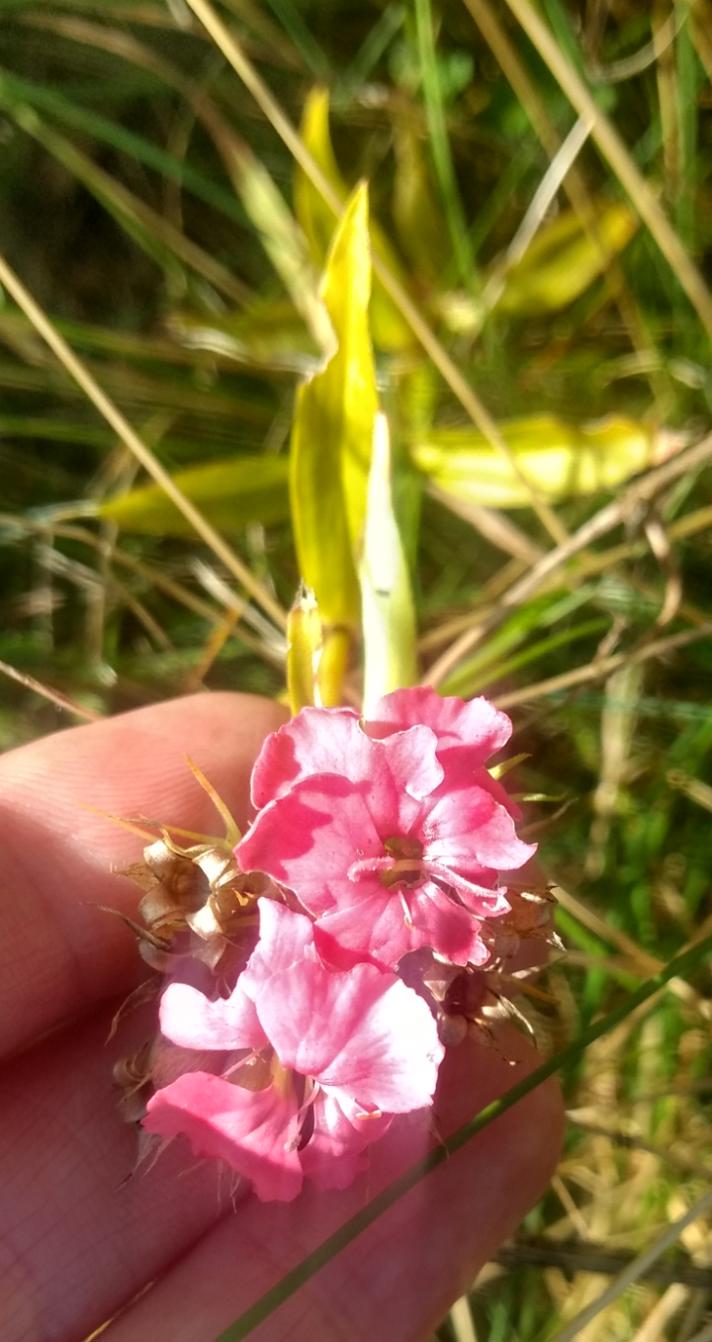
477,725
309,838
285,938
371,922
316,741
361,1032
192,1020
332,741
256,1133
444,925
469,828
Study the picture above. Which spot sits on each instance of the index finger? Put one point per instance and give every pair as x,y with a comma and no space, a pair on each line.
59,952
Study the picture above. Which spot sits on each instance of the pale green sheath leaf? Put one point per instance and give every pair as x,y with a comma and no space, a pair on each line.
331,446
560,460
389,626
230,494
564,259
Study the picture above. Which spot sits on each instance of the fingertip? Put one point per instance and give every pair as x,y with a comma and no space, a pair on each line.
62,850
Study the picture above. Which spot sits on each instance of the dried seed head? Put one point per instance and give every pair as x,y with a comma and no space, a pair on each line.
196,902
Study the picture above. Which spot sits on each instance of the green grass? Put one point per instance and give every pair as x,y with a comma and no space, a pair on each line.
123,219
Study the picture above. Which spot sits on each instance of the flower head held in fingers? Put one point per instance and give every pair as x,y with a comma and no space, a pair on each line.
382,848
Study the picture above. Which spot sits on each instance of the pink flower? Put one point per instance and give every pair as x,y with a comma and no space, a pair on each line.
341,1052
393,843
322,740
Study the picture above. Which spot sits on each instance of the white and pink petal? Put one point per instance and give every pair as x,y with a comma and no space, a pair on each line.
193,1021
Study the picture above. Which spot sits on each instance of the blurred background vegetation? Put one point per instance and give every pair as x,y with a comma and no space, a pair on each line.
540,182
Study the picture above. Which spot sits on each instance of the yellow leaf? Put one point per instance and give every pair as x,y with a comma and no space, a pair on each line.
564,259
312,211
230,493
331,445
390,330
561,460
389,630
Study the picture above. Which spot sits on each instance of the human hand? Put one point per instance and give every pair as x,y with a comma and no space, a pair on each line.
165,1253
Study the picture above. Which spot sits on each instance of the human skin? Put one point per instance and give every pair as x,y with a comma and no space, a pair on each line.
167,1252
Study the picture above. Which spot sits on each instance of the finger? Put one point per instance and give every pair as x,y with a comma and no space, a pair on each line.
395,1282
77,1232
58,952
79,1242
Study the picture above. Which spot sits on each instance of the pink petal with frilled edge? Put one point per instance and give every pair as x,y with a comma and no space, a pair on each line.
256,1133
317,740
361,1032
309,838
192,1020
475,724
469,828
338,1149
331,741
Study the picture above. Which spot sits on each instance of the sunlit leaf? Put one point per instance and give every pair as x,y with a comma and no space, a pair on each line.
390,330
313,213
230,494
564,259
331,443
561,460
389,630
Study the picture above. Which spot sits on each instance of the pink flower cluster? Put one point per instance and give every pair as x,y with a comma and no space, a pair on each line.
382,839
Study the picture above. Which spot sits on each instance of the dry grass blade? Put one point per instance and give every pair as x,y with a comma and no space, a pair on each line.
604,666
616,154
54,696
636,1269
541,203
81,375
573,184
470,402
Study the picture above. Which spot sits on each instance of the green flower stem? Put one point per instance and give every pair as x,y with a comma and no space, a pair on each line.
292,1281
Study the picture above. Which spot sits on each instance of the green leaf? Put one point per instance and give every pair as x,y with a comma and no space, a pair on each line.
331,443
561,460
564,259
389,627
230,494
